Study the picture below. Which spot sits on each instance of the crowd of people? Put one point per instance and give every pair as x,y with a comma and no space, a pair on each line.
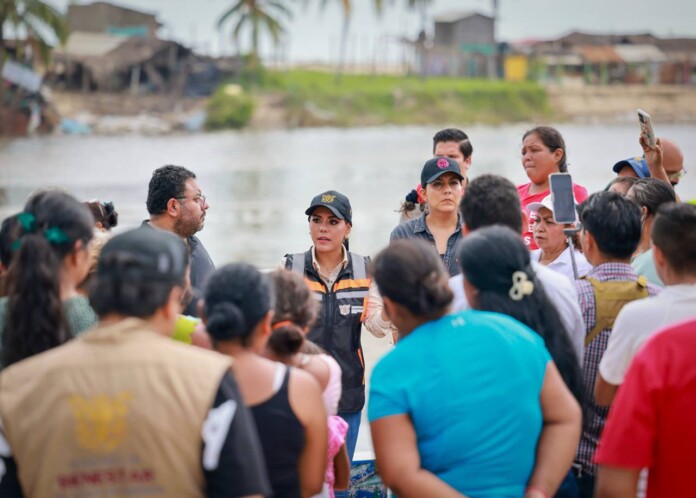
532,358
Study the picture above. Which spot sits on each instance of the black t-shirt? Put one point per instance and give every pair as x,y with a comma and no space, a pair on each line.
231,457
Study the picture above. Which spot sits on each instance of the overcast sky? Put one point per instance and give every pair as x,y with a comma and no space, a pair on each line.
314,35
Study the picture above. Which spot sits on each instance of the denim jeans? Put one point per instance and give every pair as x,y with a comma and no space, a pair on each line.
353,421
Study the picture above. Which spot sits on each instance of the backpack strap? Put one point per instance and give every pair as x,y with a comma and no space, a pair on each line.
610,298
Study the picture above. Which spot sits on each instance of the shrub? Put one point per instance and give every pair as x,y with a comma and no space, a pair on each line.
229,107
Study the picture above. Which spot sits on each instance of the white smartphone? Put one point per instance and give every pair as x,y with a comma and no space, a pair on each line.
562,198
646,129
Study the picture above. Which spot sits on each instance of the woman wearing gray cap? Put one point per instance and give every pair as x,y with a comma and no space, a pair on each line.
441,179
340,283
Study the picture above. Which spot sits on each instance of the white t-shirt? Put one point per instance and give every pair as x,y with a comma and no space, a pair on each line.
564,265
560,291
638,321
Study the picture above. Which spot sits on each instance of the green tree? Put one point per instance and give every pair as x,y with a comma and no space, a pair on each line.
39,19
347,6
256,14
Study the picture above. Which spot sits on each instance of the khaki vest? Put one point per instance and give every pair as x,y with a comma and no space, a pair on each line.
610,298
116,412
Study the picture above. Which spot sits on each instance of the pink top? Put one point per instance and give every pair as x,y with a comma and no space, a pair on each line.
338,428
526,199
332,392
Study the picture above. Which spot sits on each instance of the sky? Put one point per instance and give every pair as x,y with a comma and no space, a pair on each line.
313,35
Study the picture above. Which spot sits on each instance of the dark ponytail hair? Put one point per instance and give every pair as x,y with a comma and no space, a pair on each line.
104,213
51,224
552,139
489,257
237,297
410,273
295,312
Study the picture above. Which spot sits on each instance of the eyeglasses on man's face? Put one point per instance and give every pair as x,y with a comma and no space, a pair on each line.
675,177
200,198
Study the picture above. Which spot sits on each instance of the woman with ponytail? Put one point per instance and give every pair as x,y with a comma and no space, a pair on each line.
543,153
340,283
50,259
465,404
286,402
295,312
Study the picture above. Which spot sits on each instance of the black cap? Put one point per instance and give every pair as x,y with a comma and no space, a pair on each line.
335,202
436,167
149,254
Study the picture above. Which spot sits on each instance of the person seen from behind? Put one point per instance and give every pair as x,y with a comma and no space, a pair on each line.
123,410
649,194
522,423
491,259
295,312
105,214
50,259
651,421
286,402
673,234
543,153
611,231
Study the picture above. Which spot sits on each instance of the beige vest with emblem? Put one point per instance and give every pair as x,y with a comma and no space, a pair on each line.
117,412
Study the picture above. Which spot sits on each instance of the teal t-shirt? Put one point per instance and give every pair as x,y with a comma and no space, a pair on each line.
78,313
645,265
470,383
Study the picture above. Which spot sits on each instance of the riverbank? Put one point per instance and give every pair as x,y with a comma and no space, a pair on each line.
304,98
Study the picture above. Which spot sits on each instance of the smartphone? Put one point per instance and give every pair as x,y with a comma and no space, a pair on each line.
646,129
562,198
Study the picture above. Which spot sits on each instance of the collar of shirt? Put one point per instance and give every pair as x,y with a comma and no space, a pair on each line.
612,271
421,226
335,271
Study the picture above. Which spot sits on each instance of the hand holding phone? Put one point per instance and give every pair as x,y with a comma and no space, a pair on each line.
646,129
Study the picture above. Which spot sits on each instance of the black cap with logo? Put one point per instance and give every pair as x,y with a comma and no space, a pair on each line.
335,202
436,167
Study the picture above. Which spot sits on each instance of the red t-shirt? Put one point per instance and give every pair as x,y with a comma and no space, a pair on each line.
526,199
651,422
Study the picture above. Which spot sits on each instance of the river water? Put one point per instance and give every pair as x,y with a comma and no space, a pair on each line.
259,183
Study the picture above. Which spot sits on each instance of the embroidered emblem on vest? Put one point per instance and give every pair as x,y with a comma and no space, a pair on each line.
344,309
100,421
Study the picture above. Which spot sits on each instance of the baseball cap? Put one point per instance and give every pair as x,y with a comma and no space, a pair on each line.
145,255
637,163
335,202
546,202
436,167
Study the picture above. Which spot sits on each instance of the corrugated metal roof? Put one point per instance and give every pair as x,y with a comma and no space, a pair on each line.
598,54
83,44
458,15
640,53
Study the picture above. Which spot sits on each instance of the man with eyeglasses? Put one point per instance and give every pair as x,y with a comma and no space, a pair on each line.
642,166
176,204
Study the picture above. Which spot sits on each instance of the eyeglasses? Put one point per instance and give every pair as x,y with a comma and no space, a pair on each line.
200,199
677,175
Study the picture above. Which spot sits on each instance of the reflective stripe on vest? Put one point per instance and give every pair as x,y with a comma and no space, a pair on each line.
610,298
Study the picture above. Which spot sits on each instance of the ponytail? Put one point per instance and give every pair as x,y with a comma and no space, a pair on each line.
51,224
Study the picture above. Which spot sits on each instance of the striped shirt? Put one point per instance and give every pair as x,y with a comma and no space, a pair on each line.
592,430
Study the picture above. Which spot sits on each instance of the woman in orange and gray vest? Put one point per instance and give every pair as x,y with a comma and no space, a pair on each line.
339,281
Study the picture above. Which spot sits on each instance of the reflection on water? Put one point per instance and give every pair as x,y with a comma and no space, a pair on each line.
259,183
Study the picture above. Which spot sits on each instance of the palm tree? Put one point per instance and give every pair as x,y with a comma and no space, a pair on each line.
347,16
256,14
37,18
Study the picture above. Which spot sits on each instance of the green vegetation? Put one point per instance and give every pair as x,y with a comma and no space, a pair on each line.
229,107
314,98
